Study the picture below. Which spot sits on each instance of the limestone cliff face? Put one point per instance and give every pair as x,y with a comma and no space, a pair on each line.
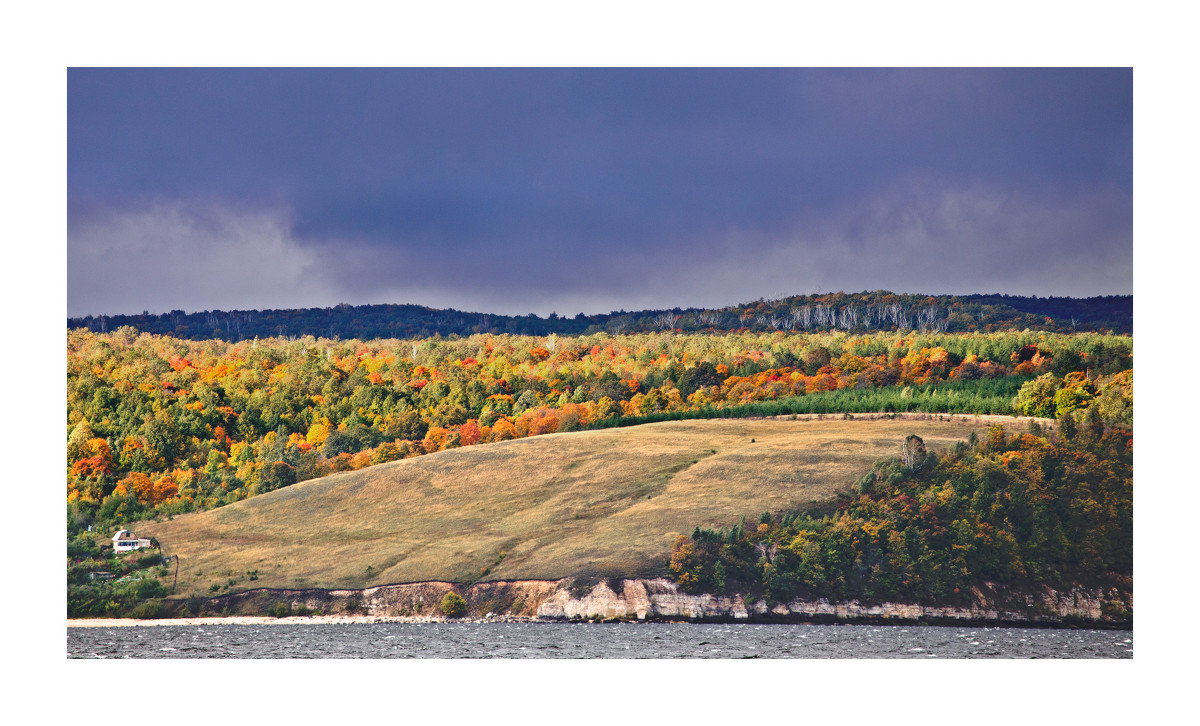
519,598
640,599
661,599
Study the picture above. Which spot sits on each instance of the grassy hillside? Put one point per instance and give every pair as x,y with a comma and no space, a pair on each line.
598,502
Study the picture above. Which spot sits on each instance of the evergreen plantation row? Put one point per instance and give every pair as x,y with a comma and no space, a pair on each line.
160,425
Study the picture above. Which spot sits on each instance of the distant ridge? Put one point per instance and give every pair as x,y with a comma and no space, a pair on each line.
853,312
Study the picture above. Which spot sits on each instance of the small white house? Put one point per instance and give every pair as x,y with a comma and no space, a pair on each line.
125,541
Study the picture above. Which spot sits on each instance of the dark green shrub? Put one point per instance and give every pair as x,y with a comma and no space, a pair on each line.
82,546
453,605
863,485
146,589
148,610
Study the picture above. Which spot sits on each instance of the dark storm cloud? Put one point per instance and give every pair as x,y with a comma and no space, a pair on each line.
538,190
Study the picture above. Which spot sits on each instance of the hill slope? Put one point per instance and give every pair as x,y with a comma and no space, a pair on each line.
604,502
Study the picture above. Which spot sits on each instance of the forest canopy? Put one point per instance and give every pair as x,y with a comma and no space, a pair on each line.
1027,509
160,425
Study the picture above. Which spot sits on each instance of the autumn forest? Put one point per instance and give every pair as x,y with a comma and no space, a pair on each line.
160,424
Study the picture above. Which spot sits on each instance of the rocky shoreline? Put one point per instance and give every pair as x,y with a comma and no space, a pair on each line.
287,620
640,600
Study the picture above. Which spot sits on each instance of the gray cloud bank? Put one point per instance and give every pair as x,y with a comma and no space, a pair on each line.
913,239
539,191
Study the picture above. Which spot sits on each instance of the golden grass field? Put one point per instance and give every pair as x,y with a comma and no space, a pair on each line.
606,502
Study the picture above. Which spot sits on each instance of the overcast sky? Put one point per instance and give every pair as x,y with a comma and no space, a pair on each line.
590,190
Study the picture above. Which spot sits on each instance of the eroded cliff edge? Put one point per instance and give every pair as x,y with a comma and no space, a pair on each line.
661,600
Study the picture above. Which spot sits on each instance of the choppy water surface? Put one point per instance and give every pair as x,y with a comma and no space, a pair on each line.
617,640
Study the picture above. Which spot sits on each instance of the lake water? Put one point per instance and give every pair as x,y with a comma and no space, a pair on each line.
590,640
